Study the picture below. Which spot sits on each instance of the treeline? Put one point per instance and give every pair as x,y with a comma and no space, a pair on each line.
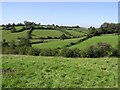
28,24
94,51
106,28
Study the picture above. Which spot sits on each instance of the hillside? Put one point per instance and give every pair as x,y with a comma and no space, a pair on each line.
55,43
110,39
45,33
7,35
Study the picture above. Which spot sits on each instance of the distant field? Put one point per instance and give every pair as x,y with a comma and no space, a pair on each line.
44,33
18,27
110,39
75,33
6,34
55,43
57,72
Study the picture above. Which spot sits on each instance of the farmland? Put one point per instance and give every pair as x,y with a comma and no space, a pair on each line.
7,35
46,33
75,33
110,39
57,72
55,43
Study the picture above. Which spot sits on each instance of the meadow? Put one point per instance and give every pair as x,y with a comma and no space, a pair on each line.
55,43
7,35
20,71
45,33
109,38
75,33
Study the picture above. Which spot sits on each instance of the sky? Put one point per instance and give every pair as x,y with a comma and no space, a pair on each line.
84,14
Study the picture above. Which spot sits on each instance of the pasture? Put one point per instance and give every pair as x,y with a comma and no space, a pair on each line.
110,39
20,71
7,35
75,33
46,33
55,43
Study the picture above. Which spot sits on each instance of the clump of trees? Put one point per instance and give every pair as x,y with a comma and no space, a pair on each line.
100,50
63,36
73,53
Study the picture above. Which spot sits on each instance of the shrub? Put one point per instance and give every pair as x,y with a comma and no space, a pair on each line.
63,36
49,52
101,50
66,52
49,37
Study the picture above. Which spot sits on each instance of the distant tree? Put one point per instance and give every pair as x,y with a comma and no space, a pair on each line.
30,33
53,24
63,36
13,29
66,52
24,42
4,43
12,44
100,50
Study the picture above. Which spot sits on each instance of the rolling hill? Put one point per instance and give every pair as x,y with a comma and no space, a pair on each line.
109,38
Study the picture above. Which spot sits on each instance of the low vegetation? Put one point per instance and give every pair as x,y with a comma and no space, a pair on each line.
57,72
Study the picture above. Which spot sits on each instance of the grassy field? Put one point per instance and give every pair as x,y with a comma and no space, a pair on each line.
75,33
58,72
55,43
110,39
13,36
18,27
45,33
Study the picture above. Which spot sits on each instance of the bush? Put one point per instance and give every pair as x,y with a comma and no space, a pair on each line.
63,36
115,53
66,52
101,50
49,52
49,37
35,52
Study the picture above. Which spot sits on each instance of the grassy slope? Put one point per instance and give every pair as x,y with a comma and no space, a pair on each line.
18,27
75,33
110,39
55,43
45,33
58,72
13,36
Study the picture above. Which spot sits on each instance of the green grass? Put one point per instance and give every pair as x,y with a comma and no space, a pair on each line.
18,27
6,34
57,72
55,43
75,33
45,33
110,39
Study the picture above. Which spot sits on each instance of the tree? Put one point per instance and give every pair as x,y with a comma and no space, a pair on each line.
29,33
100,50
4,43
92,31
13,29
66,52
24,42
12,44
63,36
